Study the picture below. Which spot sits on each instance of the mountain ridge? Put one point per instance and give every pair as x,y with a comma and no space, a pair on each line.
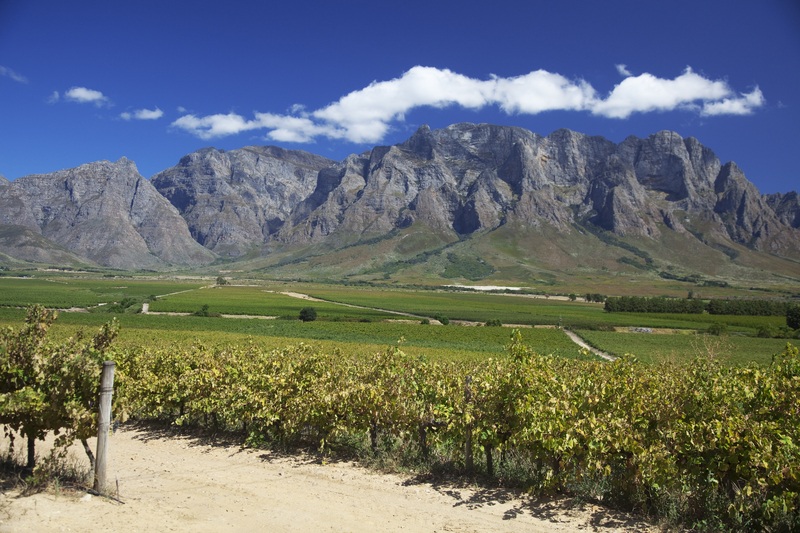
441,185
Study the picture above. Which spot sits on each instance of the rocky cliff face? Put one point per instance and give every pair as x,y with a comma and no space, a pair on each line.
786,207
233,201
106,212
459,180
468,178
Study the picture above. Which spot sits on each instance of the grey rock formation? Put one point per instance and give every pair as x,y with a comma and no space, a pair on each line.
22,243
467,178
455,181
232,201
786,207
106,212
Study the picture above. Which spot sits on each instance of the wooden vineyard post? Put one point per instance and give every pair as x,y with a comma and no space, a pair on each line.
103,424
468,444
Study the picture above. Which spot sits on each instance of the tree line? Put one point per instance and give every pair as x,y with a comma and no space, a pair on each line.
715,306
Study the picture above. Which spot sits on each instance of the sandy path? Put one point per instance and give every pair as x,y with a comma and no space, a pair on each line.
172,482
577,340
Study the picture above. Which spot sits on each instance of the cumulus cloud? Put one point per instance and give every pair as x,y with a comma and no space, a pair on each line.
5,71
82,95
367,115
646,93
215,125
142,114
743,105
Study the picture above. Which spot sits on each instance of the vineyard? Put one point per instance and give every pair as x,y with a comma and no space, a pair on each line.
652,349
701,432
700,442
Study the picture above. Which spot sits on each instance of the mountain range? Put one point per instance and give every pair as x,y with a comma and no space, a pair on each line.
505,197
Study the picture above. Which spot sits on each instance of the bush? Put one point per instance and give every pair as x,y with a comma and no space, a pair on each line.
308,314
718,329
493,322
793,316
766,331
443,319
425,321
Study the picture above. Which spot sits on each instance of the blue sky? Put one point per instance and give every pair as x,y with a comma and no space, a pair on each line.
153,81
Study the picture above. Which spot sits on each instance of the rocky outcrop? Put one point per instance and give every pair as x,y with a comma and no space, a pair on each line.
455,181
106,212
23,244
233,201
467,178
786,207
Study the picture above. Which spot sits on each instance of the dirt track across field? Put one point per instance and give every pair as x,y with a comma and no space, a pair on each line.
175,482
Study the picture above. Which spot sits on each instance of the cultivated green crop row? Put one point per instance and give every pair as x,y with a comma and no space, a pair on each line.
656,348
64,292
706,445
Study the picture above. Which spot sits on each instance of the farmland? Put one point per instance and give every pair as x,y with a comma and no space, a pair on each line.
653,348
370,327
66,292
441,396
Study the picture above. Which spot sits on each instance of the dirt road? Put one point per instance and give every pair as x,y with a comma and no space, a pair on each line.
173,482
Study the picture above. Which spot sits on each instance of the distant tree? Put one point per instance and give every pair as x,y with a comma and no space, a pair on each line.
443,319
308,314
221,281
718,329
493,322
572,297
793,316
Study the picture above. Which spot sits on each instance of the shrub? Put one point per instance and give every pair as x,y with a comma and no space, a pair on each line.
206,313
793,316
718,329
443,319
493,322
308,314
425,321
765,331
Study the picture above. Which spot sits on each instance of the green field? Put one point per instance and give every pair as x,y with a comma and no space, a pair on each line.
437,342
366,330
257,300
518,309
65,292
656,348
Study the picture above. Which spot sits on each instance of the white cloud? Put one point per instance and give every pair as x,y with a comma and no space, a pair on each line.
541,91
645,93
83,95
53,98
366,115
736,106
295,129
215,125
142,114
182,109
5,71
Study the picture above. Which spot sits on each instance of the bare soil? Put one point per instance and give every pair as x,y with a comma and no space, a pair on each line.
178,482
